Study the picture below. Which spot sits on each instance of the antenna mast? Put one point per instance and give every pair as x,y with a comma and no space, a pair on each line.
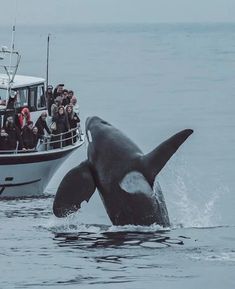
48,55
12,47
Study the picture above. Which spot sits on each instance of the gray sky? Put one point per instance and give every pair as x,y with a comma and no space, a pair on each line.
115,11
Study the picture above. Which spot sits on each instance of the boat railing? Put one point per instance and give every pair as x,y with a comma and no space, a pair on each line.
51,142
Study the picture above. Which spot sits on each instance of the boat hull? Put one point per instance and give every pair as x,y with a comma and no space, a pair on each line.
27,175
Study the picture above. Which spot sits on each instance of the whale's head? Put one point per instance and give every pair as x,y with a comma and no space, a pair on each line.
93,125
94,122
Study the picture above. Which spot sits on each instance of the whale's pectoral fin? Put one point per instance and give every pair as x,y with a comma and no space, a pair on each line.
156,160
77,186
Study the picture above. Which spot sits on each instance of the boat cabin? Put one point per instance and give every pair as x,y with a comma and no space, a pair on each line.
28,92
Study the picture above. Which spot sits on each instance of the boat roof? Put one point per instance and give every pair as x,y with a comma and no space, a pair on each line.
19,81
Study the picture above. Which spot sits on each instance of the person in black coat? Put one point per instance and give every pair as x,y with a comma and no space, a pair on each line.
65,98
10,107
30,140
35,137
42,126
62,126
14,135
3,140
74,122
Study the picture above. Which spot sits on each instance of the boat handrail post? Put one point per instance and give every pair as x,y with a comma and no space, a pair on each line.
61,140
46,144
16,149
72,136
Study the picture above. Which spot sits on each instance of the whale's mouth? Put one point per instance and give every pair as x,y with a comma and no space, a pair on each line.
104,122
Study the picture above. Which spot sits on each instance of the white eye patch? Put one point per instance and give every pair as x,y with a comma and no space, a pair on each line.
89,136
135,182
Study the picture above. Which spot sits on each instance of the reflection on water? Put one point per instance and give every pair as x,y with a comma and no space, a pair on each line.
86,240
114,255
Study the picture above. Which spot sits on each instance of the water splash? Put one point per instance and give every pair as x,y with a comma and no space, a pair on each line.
68,232
189,203
144,229
72,224
192,213
215,257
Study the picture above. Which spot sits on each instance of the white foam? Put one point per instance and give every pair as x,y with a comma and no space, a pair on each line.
133,228
187,202
221,257
72,224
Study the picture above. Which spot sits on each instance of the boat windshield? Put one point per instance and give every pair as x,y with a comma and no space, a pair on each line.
3,96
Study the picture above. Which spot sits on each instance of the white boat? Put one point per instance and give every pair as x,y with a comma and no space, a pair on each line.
27,173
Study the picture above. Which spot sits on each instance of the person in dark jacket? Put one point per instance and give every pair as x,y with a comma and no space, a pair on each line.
62,126
3,140
58,90
29,139
42,126
10,107
74,122
14,135
65,97
55,106
36,137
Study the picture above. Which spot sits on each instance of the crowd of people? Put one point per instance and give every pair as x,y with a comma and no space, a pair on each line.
20,133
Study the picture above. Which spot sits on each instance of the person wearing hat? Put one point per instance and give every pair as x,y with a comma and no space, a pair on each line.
65,97
58,91
50,98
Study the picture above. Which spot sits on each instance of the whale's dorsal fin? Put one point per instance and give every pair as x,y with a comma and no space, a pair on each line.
156,160
77,186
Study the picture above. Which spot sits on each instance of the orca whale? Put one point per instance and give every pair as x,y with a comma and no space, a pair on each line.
123,175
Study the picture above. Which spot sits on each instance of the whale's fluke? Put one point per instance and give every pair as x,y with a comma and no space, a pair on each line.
156,160
77,186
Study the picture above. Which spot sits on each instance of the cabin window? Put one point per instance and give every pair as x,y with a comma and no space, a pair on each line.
3,96
22,97
41,101
32,98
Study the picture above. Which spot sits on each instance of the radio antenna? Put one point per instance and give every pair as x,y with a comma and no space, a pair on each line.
48,55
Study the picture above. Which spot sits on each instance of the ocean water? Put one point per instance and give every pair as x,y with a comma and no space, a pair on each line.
150,81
